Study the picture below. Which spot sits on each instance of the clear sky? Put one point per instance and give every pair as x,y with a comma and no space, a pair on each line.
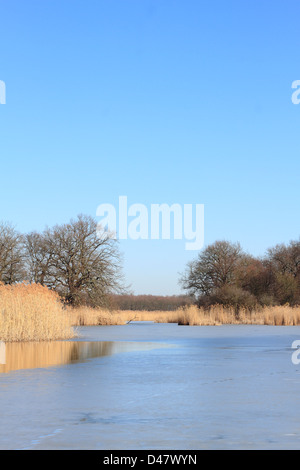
163,101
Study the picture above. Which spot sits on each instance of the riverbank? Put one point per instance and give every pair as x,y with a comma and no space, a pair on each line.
30,312
191,315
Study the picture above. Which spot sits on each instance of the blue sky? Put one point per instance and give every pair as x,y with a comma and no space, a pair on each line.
162,101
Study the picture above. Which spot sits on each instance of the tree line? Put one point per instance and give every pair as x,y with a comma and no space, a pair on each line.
75,259
150,302
84,265
224,274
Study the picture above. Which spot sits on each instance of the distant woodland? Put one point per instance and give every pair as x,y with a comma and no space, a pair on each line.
150,302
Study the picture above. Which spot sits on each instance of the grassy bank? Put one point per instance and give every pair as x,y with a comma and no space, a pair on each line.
32,313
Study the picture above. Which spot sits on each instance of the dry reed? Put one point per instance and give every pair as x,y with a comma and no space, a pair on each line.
31,312
86,316
191,315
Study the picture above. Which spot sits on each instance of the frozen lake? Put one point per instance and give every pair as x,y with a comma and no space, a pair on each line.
153,386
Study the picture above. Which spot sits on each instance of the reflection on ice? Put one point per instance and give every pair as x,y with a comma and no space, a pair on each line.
33,355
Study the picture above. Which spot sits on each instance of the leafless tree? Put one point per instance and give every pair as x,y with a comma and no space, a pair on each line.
254,275
214,268
11,255
286,258
80,262
38,258
284,261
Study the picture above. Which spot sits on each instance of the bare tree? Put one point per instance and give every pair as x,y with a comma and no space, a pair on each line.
284,261
38,258
223,273
82,263
11,255
254,275
214,268
286,258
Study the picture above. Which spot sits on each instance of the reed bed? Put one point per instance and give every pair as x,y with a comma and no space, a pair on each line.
220,315
87,316
191,315
31,312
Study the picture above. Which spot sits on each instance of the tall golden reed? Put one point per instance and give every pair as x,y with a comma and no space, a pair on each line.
191,315
31,312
